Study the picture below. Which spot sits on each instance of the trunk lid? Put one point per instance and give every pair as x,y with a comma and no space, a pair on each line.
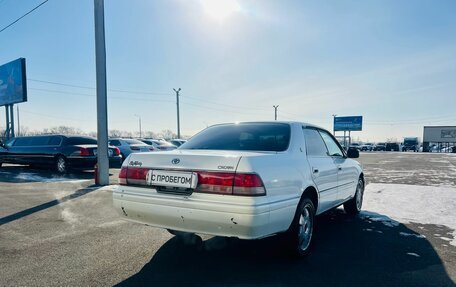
208,160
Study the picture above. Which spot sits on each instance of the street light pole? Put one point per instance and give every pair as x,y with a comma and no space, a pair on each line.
334,126
178,118
102,102
140,133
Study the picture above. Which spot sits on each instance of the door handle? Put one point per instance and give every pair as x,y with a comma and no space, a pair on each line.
339,167
315,170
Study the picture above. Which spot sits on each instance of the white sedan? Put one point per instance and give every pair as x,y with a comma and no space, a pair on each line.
247,180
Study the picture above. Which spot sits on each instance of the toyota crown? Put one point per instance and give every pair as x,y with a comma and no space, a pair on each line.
246,180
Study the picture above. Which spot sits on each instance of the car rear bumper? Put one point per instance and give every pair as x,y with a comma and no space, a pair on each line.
89,162
242,217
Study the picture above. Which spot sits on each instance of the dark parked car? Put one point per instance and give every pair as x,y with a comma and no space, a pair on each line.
57,151
380,147
392,147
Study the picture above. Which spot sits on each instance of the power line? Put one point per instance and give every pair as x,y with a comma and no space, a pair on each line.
93,88
92,95
55,117
61,84
18,19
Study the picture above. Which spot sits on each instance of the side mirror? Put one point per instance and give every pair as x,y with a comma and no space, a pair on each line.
352,152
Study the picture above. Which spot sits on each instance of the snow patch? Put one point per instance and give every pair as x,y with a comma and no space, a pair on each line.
411,234
394,203
34,177
69,216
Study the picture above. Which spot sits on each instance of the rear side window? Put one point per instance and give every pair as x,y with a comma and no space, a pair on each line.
80,140
39,141
244,136
315,146
55,141
27,141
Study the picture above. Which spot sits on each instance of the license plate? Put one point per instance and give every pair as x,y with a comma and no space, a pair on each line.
172,178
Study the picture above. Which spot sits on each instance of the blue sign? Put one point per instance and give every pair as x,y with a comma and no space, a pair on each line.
13,85
348,123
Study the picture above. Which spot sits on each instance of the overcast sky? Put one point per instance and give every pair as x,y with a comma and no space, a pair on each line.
393,62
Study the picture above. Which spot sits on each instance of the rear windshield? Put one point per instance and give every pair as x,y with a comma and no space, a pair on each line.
244,136
80,140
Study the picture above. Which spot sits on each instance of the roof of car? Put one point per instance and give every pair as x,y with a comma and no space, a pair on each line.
275,122
60,135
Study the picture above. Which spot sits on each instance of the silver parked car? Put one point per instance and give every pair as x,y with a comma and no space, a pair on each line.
128,146
177,142
159,144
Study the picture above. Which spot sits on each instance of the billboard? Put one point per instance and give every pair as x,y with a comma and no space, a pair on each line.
13,85
354,123
443,134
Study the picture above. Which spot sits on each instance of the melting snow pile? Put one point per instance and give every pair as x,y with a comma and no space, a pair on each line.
411,203
35,177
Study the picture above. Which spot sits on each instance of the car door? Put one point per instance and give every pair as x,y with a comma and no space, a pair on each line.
36,151
20,150
347,174
323,169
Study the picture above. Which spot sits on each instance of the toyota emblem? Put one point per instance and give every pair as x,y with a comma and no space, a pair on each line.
175,161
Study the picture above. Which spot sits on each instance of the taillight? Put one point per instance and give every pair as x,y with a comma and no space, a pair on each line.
84,152
230,183
215,182
116,151
133,175
248,184
137,175
123,175
134,148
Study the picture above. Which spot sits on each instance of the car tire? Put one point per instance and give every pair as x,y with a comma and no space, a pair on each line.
299,236
354,205
61,165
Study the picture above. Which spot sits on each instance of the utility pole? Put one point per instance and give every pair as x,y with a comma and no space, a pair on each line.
12,119
140,133
275,112
178,119
102,102
334,126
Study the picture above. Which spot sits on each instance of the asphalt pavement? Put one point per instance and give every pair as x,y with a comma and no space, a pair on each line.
62,230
